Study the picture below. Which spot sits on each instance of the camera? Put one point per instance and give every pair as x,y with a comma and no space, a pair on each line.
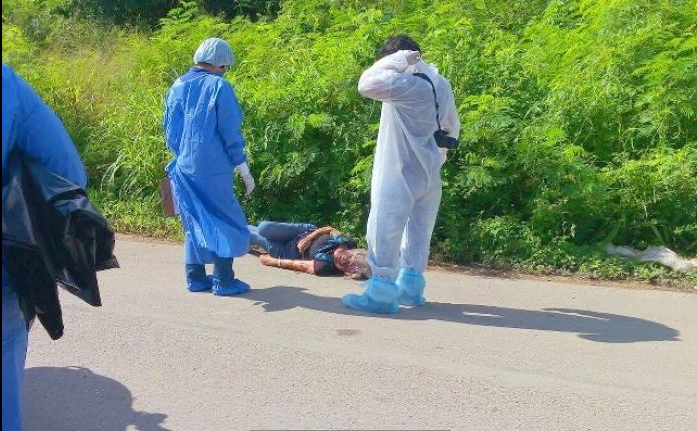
445,141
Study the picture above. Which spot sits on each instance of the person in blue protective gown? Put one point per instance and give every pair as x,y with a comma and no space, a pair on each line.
406,184
32,128
202,126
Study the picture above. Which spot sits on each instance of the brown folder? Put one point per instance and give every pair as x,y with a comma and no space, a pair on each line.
168,206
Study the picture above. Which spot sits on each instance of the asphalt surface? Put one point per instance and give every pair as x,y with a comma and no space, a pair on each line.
483,354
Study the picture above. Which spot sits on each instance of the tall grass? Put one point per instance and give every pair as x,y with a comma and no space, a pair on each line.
579,123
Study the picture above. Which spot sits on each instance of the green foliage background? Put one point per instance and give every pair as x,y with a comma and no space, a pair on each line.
579,116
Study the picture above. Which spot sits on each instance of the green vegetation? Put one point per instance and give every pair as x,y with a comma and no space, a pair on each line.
579,116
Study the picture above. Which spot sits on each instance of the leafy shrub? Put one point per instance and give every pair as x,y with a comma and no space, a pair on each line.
578,116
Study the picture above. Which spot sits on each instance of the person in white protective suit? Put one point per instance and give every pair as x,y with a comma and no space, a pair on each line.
406,183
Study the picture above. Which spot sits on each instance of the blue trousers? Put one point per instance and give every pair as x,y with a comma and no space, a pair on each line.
14,354
280,239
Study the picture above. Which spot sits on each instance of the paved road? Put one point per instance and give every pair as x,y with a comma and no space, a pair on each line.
484,354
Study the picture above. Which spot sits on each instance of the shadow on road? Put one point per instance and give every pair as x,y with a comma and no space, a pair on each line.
589,325
76,399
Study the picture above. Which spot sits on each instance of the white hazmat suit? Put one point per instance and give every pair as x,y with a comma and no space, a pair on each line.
406,183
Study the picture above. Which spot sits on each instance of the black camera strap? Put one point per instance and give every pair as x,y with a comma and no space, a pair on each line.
435,97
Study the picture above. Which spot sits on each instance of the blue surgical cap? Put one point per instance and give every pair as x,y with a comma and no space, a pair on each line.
214,51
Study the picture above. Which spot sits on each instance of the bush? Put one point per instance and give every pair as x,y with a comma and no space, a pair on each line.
578,116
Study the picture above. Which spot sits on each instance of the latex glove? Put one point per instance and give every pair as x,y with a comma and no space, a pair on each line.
413,57
243,170
398,61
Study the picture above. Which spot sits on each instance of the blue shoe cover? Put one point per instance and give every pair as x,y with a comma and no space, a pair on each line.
380,297
412,285
200,285
236,287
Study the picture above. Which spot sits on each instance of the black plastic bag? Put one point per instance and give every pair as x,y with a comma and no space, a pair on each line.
52,235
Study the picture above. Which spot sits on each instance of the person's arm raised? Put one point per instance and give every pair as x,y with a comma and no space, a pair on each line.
386,81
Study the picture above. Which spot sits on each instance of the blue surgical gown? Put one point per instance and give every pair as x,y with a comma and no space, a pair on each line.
202,126
28,125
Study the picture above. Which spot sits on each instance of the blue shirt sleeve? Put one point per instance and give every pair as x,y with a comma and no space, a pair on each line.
40,134
229,125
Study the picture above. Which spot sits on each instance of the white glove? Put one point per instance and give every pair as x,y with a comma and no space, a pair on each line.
246,176
398,61
413,57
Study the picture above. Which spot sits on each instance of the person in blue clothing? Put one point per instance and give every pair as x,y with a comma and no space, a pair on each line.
202,126
32,128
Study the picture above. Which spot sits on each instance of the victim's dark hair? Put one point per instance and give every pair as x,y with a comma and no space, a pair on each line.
399,43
